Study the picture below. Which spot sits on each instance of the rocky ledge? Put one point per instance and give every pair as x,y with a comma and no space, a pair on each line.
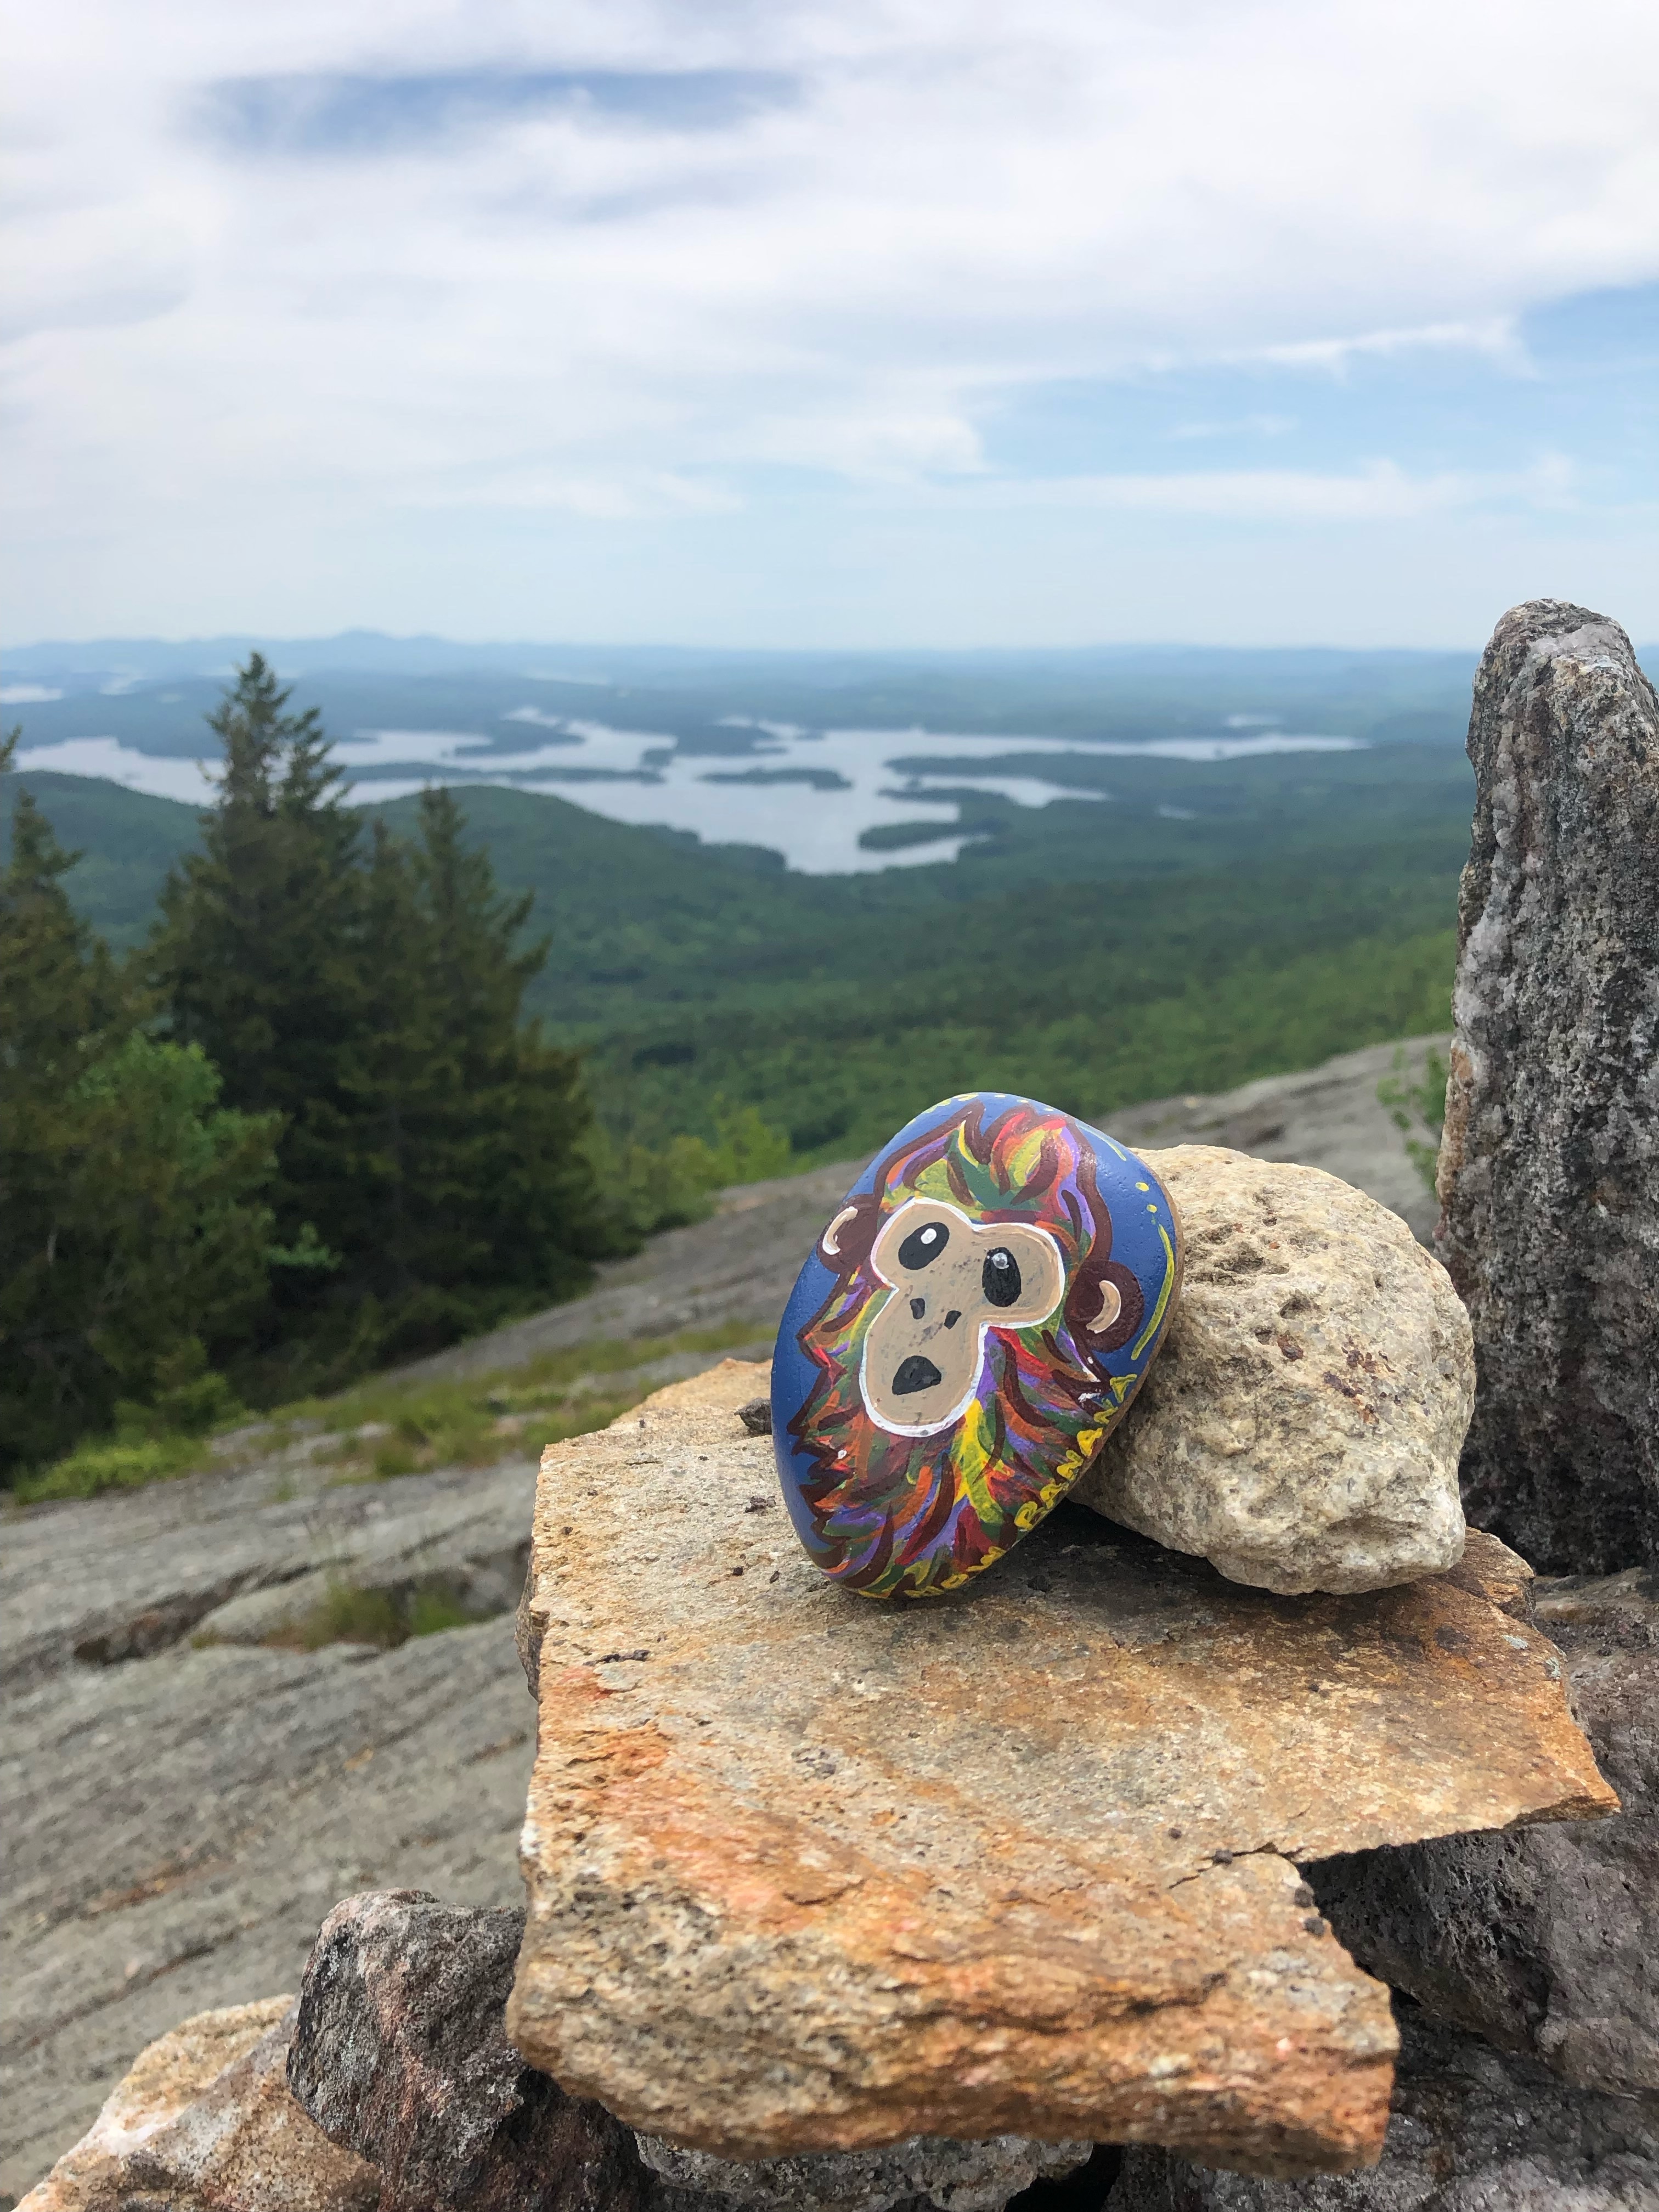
806,1872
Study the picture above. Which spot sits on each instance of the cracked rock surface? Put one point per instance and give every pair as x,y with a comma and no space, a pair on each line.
1543,1940
1549,1170
240,1556
1472,2129
1019,1862
176,1827
1301,1425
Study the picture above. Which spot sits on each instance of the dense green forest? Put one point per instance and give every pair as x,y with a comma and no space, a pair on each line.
441,1054
1291,905
301,1127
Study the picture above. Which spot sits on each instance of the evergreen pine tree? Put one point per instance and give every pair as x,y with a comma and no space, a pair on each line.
518,1138
130,1228
258,952
434,1171
473,1189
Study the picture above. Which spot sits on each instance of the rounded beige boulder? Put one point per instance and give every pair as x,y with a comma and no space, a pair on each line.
1301,1427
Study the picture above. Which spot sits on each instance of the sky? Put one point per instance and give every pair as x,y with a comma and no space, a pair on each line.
829,322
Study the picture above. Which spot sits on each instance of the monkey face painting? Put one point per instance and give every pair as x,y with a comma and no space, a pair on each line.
972,1323
953,1278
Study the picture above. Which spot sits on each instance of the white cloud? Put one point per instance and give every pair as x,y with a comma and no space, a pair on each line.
1246,426
1496,337
232,365
1380,492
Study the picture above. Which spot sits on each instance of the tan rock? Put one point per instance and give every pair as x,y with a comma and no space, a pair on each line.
205,2123
807,1874
1300,1426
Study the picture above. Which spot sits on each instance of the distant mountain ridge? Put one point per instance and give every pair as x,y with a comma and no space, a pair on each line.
426,653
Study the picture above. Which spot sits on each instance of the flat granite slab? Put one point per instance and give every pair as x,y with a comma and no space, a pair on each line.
809,1872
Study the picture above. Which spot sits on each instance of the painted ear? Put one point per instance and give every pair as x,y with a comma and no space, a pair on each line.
1104,1307
845,1244
1021,1274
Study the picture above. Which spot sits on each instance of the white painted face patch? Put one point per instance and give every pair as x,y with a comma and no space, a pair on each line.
950,1280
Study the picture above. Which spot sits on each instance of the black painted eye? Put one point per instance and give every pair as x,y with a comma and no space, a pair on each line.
999,1278
924,1245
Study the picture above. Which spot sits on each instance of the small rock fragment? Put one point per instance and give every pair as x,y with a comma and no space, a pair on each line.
1302,1429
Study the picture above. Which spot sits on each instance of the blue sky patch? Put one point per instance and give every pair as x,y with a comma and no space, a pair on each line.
329,115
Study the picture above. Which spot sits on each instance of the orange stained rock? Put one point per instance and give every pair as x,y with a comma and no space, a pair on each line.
812,1873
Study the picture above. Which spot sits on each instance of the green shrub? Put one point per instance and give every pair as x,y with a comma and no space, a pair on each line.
474,1421
126,1463
385,1619
152,1442
432,1611
349,1615
513,1412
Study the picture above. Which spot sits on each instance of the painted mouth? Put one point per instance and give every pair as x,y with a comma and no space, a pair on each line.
915,1374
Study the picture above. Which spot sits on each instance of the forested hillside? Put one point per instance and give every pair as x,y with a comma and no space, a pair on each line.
1211,922
299,1085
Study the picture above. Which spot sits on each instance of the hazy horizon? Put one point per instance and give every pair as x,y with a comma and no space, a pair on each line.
245,638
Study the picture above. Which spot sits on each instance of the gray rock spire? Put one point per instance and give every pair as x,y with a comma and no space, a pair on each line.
1549,1170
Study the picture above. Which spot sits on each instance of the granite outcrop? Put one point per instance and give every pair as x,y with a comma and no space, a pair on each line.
399,2055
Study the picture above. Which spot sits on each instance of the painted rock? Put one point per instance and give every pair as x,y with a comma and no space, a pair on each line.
969,1326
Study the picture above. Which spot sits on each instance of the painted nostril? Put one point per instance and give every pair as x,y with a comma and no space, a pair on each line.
952,1317
918,1307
